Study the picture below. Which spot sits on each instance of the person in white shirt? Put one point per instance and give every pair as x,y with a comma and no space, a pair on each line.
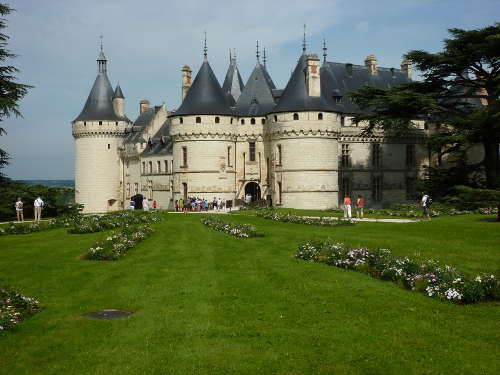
145,205
425,206
38,204
19,209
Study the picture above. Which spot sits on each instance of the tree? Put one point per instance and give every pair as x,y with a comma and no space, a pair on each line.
459,95
11,92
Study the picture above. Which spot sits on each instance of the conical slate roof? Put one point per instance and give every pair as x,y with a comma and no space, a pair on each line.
233,84
99,105
296,98
257,98
118,92
205,96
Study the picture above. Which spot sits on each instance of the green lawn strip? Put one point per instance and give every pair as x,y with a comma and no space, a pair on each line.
206,302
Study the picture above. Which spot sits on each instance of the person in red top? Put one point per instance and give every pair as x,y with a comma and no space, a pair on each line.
154,205
360,204
347,206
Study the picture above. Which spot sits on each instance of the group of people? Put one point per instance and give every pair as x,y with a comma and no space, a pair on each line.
37,208
198,204
145,204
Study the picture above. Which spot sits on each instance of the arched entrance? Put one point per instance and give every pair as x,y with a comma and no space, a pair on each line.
252,189
137,201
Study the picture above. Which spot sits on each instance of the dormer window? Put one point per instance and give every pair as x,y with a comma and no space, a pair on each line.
217,120
252,121
295,116
198,120
320,116
337,99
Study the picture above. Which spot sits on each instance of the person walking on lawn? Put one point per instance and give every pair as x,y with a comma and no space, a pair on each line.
347,206
38,204
19,209
360,205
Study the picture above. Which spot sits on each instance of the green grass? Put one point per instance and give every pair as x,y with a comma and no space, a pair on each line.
209,303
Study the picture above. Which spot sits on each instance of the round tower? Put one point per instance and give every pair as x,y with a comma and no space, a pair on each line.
98,132
203,134
304,131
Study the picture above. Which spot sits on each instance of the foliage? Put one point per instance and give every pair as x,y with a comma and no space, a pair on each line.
14,307
37,226
234,229
118,243
57,201
429,277
97,223
11,92
295,219
457,82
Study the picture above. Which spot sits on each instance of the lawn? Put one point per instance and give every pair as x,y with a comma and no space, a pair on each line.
209,303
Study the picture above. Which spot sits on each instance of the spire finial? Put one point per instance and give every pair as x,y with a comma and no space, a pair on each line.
264,57
324,50
258,53
234,54
205,45
230,56
304,40
101,41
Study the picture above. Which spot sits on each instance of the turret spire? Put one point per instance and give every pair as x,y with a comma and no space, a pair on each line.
324,50
101,61
205,46
304,45
258,53
264,57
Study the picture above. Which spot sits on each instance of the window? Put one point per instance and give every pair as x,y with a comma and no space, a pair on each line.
268,170
342,120
229,156
346,186
337,99
198,120
232,120
280,192
251,146
150,167
136,187
184,156
346,158
158,166
252,121
109,146
171,166
275,118
411,184
320,116
263,121
143,167
376,156
217,120
165,163
295,116
278,155
410,155
85,123
377,189
242,121
150,189
100,122
128,189
181,120
116,123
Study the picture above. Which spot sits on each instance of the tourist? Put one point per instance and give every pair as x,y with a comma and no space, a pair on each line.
145,205
347,206
360,205
19,209
180,205
206,205
155,205
426,204
131,205
219,204
38,204
214,204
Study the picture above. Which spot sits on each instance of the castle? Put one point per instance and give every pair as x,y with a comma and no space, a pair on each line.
295,147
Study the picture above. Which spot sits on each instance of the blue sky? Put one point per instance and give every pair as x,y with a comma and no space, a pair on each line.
147,43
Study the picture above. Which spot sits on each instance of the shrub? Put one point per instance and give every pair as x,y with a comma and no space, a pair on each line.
96,223
237,230
289,218
14,307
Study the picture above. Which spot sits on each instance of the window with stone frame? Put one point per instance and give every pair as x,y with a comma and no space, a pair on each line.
128,189
158,166
376,155
165,163
150,167
251,149
278,155
342,120
143,167
229,148
184,157
410,156
411,188
346,157
346,186
377,189
136,187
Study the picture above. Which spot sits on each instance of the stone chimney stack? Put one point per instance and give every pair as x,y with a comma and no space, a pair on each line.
313,82
143,105
186,80
371,64
406,67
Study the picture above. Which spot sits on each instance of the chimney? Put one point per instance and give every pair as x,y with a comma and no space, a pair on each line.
143,105
406,67
186,80
371,64
312,76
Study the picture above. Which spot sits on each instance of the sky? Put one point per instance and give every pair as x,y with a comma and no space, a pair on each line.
146,44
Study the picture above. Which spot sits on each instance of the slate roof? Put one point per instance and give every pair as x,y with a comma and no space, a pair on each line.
118,92
205,96
135,135
233,84
160,143
257,98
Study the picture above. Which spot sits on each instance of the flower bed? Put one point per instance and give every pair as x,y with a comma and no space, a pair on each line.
118,243
14,307
289,218
237,230
37,226
429,277
97,223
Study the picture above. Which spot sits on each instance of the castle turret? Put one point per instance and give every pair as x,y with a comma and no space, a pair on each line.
233,84
99,131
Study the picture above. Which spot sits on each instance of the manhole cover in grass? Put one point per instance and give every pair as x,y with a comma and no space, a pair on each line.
109,314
